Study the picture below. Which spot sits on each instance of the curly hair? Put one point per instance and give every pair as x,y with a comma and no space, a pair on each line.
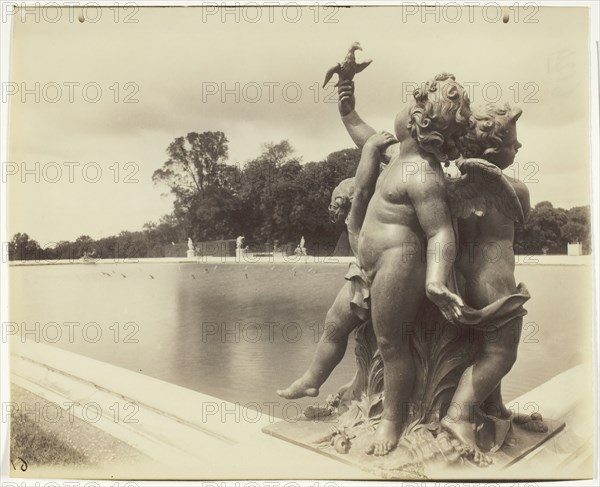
341,200
489,128
440,116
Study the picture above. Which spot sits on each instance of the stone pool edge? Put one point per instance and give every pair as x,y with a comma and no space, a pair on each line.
527,260
192,435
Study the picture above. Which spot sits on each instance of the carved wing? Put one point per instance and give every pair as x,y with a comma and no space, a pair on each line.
363,65
331,72
480,187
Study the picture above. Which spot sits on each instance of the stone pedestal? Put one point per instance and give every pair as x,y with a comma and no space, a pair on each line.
574,249
190,254
424,452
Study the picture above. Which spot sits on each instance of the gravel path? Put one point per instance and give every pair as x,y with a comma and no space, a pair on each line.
78,443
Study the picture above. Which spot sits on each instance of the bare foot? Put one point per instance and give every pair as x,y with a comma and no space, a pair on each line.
464,432
298,389
386,438
531,422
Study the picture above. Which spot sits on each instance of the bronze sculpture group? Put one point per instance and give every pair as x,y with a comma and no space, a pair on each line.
423,266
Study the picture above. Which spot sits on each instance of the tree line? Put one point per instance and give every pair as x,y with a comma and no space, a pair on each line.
272,200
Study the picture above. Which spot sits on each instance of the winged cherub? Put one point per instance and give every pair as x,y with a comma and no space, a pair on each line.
333,343
493,137
407,224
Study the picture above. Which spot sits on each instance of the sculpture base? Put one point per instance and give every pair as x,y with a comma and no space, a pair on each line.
190,254
417,456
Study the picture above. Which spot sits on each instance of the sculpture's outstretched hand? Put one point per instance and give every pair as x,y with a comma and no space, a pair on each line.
346,99
480,187
381,140
450,304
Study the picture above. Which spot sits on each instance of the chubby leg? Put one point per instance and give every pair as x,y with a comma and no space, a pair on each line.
332,345
494,406
481,381
396,293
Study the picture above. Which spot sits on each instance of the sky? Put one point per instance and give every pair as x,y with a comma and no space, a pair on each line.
112,94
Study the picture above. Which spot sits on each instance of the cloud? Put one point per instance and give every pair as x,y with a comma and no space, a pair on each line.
190,69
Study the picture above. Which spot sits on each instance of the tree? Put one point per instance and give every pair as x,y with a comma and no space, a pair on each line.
553,228
193,163
215,215
196,166
542,230
267,193
60,250
343,163
84,245
131,245
21,247
578,229
164,232
318,181
573,232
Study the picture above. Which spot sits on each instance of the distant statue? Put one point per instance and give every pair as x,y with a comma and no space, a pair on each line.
239,249
89,256
190,250
239,242
302,246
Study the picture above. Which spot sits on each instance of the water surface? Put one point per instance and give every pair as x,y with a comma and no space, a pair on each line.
239,332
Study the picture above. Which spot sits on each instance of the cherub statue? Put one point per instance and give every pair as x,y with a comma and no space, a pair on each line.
393,259
493,137
406,227
347,312
345,318
341,200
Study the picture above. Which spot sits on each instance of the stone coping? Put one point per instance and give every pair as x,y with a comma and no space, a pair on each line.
188,434
193,435
557,260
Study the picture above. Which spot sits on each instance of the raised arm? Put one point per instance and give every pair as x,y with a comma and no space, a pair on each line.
357,128
428,195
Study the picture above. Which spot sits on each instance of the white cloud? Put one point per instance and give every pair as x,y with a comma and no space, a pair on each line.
173,56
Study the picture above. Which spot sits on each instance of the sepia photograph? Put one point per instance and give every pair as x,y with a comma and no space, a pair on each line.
299,241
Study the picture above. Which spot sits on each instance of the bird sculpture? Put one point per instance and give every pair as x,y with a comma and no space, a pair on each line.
348,68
